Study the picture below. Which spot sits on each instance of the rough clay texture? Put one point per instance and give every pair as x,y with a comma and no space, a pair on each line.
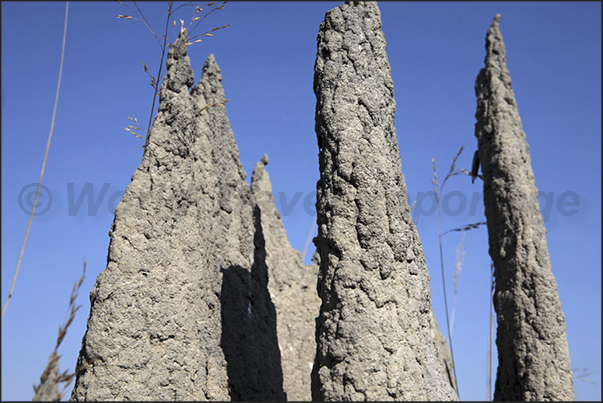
183,309
292,287
445,361
373,334
533,353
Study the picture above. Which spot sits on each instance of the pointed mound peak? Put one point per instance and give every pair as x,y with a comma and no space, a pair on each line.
260,180
180,72
210,63
355,3
211,70
494,27
180,47
210,86
495,47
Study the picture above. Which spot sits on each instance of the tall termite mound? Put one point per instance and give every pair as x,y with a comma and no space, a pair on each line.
533,354
183,310
374,339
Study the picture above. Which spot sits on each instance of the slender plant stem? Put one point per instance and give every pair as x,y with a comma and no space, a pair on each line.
490,337
145,22
167,24
453,313
451,173
33,209
445,298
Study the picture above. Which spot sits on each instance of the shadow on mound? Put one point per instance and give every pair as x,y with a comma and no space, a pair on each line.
249,338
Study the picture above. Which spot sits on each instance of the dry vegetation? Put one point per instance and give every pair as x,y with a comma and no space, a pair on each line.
163,43
48,389
438,190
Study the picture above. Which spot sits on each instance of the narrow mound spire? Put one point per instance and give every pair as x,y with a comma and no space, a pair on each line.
374,339
533,353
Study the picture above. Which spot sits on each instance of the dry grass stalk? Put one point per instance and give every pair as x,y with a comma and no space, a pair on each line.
459,261
438,190
131,128
33,209
451,172
48,389
583,374
490,335
458,267
138,15
209,106
464,171
466,227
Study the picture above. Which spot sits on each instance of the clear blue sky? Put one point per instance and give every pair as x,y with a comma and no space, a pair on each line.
267,58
